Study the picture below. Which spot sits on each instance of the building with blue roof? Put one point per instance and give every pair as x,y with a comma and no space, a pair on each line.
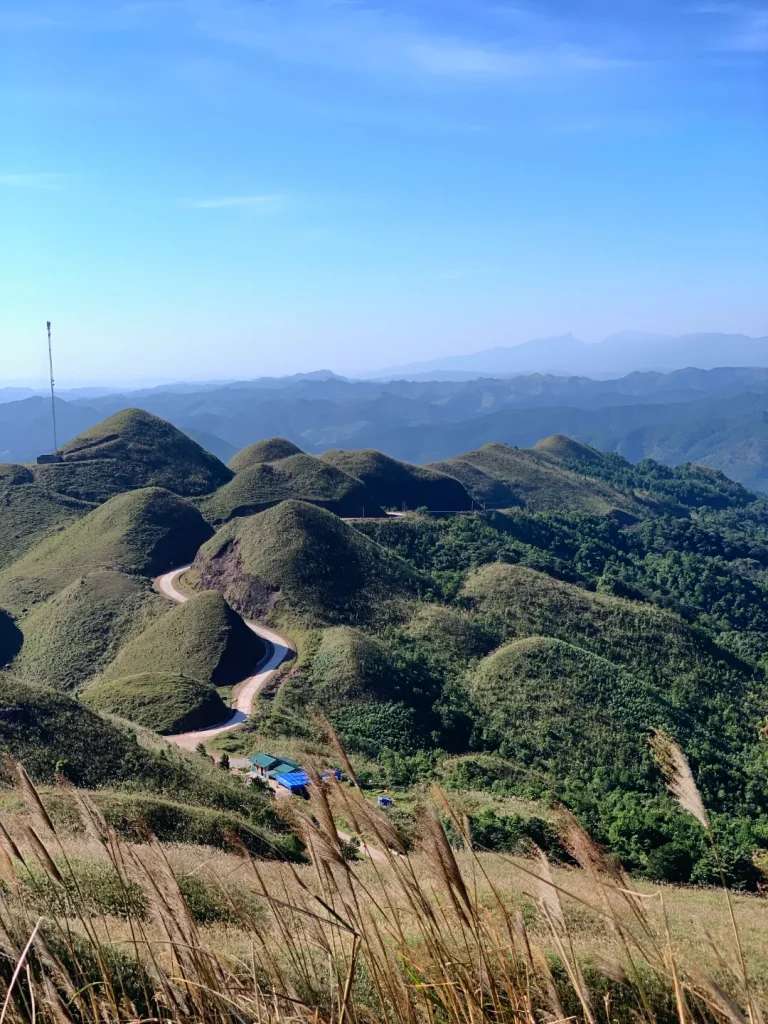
267,766
295,781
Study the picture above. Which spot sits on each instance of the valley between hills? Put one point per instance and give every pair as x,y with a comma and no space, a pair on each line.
511,625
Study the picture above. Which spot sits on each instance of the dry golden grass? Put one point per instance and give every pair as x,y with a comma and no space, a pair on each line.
436,936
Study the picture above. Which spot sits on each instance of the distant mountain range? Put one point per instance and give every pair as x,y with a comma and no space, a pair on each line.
717,417
615,356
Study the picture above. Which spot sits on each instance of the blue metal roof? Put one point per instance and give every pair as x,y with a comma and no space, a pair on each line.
293,780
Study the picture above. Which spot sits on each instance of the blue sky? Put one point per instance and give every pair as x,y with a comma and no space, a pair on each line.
195,189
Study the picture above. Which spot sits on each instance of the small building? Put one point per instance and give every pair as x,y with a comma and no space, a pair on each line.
294,781
266,766
283,767
385,801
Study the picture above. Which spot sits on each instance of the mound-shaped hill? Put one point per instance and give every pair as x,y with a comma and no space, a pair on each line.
162,701
348,675
316,565
143,532
650,642
269,450
11,638
712,703
561,713
450,632
657,488
303,477
202,639
49,731
500,476
392,484
349,665
28,511
129,450
565,449
73,635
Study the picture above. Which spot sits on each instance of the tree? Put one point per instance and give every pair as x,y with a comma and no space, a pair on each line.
224,761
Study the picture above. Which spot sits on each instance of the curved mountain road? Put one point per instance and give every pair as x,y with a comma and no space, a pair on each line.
278,649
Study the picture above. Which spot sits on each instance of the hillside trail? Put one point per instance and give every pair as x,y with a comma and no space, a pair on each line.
278,650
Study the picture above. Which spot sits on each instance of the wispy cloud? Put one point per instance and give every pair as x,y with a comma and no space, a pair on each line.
357,36
235,202
444,57
45,182
746,25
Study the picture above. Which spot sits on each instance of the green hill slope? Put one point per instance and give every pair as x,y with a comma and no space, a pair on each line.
162,701
143,532
73,635
349,665
391,483
566,449
716,701
450,632
499,476
350,676
303,477
28,511
310,561
129,450
269,450
43,728
180,797
522,602
562,715
686,486
202,639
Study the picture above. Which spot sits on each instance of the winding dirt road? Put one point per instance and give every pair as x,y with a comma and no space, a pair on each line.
278,649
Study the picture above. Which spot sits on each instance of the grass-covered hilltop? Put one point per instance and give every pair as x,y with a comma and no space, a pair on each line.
551,661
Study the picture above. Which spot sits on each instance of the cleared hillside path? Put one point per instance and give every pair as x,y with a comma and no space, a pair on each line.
278,649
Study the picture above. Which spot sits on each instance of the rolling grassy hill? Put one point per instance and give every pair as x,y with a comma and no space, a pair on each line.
499,476
425,638
450,632
138,785
202,639
132,449
142,532
28,511
350,677
715,416
269,450
50,732
165,702
714,702
303,477
688,486
73,635
655,643
305,559
557,712
567,450
393,484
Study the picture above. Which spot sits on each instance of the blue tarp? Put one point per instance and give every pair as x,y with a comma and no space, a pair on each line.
293,780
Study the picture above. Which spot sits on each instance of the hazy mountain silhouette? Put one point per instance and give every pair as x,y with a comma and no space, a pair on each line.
616,355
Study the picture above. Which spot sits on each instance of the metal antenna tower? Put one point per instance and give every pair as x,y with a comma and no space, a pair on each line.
53,399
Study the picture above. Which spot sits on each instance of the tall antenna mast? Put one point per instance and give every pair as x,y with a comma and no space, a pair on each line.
53,399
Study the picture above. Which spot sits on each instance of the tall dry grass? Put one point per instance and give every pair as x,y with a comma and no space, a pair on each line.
423,937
